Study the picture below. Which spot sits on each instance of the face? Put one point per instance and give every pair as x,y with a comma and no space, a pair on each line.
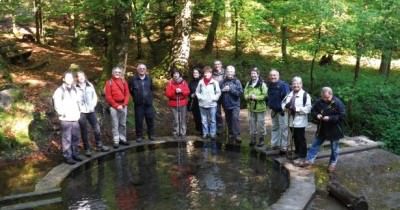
326,96
69,79
141,69
273,76
296,86
230,73
81,77
176,76
218,66
207,75
196,74
117,73
254,75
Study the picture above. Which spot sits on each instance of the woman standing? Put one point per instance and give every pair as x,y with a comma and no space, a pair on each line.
193,101
177,91
255,93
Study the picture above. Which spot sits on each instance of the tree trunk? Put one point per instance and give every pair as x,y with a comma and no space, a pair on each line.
358,61
118,40
161,35
284,41
317,47
237,53
208,47
179,54
228,14
38,20
386,60
76,29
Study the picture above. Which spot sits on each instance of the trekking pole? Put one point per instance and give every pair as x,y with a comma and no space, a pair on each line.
179,116
289,139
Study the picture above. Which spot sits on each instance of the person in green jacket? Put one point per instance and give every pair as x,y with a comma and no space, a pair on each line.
255,93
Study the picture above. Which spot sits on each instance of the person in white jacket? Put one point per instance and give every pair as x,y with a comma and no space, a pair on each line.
297,105
208,93
66,104
87,104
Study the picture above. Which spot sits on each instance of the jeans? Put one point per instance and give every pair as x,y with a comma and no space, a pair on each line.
257,123
197,118
208,121
144,112
118,121
232,120
70,138
279,131
300,145
179,120
92,119
313,151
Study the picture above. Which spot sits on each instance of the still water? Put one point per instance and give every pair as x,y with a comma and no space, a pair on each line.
177,176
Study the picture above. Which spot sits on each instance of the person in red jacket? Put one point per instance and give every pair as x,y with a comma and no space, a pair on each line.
177,91
117,96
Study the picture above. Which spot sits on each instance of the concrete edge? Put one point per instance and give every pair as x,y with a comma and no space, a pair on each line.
29,195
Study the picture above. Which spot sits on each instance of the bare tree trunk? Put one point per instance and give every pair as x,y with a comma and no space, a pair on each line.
161,35
386,60
208,47
38,20
118,41
179,55
317,47
237,52
358,62
76,29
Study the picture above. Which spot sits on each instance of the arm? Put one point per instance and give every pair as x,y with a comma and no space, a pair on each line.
237,90
185,89
126,88
217,92
198,91
57,99
130,85
94,98
340,115
263,94
315,110
305,109
170,91
109,97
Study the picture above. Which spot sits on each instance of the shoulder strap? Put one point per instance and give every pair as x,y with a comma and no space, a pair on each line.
304,98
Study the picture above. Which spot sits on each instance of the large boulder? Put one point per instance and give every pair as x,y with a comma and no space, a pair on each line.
8,96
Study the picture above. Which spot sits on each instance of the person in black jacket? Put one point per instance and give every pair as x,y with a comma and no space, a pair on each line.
141,89
330,112
193,105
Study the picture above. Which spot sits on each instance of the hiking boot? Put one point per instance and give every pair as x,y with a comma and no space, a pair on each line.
298,161
77,158
139,139
69,161
115,145
331,168
151,138
88,153
204,136
305,164
237,140
102,148
125,143
253,140
260,142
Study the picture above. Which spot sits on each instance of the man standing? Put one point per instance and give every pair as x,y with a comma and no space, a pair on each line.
297,104
330,112
141,89
66,104
231,89
87,104
117,96
277,91
218,75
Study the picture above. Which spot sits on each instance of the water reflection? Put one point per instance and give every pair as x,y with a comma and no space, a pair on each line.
184,177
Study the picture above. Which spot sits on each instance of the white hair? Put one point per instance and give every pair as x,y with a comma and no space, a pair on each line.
326,90
230,67
274,71
297,79
217,62
141,64
116,68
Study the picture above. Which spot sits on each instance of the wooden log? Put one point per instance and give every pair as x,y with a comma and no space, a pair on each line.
346,197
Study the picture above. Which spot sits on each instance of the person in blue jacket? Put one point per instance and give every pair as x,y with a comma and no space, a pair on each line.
277,91
231,90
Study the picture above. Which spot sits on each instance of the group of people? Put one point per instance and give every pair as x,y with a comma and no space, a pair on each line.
210,91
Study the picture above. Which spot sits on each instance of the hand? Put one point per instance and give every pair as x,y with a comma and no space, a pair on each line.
252,97
226,88
193,95
119,107
178,90
287,106
319,116
326,118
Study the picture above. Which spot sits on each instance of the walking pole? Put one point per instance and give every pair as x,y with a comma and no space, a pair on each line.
179,116
290,139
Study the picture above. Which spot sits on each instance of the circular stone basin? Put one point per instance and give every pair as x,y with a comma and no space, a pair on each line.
194,175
